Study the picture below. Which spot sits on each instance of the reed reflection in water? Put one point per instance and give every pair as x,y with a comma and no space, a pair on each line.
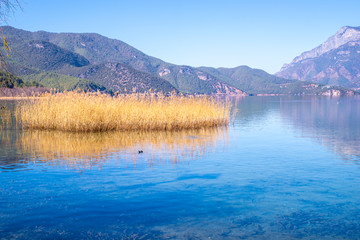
83,151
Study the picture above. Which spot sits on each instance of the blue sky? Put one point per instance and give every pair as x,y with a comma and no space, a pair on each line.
225,33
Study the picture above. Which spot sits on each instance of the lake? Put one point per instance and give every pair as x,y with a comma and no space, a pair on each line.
285,168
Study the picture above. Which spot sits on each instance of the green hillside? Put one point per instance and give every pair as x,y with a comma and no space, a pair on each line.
10,81
34,58
120,78
100,50
45,56
252,81
118,66
256,81
62,82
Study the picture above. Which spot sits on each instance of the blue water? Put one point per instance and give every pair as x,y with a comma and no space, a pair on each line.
284,168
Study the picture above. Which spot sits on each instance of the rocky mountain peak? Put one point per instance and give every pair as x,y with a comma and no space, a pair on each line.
335,62
344,35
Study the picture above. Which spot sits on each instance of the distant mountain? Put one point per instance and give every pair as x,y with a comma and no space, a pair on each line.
99,50
102,51
10,81
115,65
252,81
119,77
196,80
52,79
56,67
45,56
335,62
259,82
64,82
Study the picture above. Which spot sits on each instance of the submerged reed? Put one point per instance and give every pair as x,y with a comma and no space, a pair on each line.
91,112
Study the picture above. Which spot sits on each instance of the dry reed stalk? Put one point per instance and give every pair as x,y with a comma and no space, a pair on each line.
91,112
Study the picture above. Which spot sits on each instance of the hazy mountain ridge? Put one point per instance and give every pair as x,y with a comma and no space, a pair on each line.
252,81
344,35
119,77
195,80
259,82
54,80
100,50
335,62
46,56
32,57
89,59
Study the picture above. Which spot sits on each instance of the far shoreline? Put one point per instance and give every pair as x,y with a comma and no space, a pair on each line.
36,92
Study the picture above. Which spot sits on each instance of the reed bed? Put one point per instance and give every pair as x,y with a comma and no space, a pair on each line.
94,112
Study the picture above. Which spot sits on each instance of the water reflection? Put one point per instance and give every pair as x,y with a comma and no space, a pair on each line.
246,111
332,122
86,150
261,186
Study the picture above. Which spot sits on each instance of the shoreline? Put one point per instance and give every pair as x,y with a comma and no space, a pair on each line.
22,93
18,98
258,95
36,92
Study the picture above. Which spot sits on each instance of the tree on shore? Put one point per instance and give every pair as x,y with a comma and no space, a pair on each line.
7,7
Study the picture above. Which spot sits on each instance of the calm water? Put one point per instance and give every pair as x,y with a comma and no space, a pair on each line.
285,168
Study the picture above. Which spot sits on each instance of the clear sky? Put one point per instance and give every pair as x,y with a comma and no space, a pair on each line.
262,34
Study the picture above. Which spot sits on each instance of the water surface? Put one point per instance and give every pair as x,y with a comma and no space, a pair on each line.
285,168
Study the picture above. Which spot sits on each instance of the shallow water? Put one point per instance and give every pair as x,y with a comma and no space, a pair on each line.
286,167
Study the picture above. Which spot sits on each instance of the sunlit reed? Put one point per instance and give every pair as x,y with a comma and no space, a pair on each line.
91,112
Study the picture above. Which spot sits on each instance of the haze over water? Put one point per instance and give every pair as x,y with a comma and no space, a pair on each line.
285,167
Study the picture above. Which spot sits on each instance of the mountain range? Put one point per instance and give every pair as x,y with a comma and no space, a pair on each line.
89,61
334,62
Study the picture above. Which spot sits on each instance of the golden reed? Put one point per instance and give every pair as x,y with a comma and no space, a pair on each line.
94,112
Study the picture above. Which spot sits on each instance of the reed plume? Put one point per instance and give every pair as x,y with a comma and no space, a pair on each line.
94,112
